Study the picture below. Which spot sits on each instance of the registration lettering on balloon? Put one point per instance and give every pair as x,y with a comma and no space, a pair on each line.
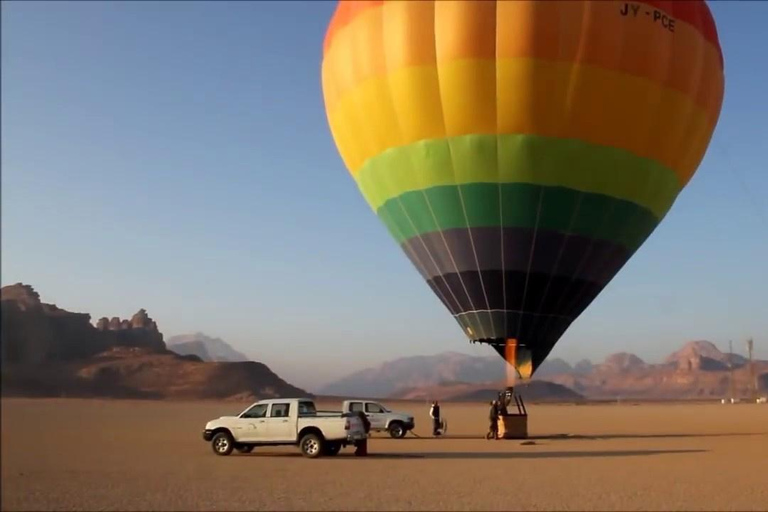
656,15
499,151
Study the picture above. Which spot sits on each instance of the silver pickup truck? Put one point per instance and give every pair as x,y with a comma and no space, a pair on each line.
286,421
382,419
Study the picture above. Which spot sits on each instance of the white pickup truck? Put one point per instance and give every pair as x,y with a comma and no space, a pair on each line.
382,419
287,421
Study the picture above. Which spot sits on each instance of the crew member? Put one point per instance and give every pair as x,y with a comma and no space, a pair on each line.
502,403
434,413
361,447
493,418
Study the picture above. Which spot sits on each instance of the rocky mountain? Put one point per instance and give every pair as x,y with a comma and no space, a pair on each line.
414,372
48,351
697,370
205,347
703,355
34,332
130,372
621,362
418,371
582,367
553,366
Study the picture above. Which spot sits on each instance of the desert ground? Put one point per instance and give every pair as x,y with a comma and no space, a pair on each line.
69,454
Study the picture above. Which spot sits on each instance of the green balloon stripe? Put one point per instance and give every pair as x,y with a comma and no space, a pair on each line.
523,205
509,159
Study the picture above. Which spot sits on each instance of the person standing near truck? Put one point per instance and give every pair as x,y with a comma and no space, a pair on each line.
361,447
434,413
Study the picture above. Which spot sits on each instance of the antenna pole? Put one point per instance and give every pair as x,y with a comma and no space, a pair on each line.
752,378
730,371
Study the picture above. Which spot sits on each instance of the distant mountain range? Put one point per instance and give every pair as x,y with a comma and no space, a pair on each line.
205,347
49,351
417,371
698,370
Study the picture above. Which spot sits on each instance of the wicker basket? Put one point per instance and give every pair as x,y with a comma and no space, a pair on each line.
513,426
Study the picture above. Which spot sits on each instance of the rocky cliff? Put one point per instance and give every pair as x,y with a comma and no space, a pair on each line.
48,351
34,332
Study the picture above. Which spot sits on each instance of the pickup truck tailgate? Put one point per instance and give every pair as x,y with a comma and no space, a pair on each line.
356,429
336,428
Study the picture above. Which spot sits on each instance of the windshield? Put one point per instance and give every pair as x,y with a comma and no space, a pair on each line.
374,408
257,411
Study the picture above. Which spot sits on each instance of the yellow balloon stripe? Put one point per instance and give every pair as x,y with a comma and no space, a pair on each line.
521,96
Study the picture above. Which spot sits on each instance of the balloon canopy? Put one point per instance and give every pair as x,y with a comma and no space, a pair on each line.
521,152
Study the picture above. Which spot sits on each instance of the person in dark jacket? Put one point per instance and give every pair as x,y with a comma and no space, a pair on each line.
502,403
361,447
493,418
434,412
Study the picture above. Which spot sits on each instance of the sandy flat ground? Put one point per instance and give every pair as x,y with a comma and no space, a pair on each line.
137,455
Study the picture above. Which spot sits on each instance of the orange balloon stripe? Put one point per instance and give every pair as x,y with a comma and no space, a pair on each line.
693,12
595,34
345,13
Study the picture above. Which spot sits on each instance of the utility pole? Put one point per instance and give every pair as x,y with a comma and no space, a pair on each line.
752,377
730,371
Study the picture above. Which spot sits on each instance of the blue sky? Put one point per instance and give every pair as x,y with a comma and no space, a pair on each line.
175,156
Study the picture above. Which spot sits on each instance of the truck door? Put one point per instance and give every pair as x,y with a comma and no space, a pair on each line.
251,426
375,415
358,407
281,426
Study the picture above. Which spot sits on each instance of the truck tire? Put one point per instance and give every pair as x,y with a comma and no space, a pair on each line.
222,443
311,446
332,449
397,430
244,448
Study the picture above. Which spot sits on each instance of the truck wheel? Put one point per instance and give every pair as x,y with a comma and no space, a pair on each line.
311,446
222,443
332,449
397,430
244,448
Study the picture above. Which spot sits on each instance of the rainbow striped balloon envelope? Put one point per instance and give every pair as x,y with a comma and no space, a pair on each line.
520,152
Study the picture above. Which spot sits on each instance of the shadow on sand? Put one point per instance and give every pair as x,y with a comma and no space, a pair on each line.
526,455
487,455
558,437
639,436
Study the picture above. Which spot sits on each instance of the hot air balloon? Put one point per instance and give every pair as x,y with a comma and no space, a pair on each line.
521,152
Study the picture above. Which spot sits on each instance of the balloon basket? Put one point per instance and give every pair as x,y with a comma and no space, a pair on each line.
513,425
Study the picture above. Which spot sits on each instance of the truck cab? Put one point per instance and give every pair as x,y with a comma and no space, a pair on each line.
382,419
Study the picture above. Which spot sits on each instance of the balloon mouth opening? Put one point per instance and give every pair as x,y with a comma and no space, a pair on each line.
517,355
